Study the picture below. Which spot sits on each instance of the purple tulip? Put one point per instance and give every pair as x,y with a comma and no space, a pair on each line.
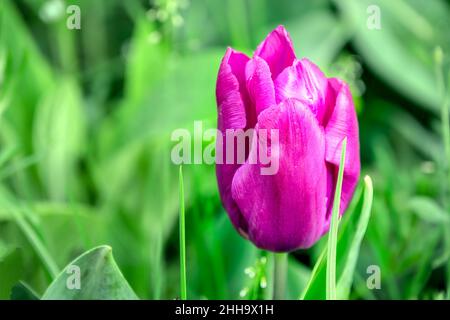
274,90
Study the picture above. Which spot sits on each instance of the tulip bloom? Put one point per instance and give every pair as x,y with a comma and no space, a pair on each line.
313,114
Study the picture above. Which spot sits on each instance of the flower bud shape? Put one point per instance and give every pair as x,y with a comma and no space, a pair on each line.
273,90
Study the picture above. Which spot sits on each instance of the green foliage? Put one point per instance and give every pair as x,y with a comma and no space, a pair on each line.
100,279
332,234
351,233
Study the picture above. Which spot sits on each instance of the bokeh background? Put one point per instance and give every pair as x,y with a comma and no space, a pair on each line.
86,117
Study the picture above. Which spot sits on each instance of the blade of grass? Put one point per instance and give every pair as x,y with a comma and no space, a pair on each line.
38,246
32,236
346,279
182,240
332,235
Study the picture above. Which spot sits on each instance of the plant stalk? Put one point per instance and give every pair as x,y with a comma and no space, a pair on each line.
183,291
280,275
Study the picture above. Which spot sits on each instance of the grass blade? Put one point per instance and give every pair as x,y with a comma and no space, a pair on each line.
332,235
47,260
182,241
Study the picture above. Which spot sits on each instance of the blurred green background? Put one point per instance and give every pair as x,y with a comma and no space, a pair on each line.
86,117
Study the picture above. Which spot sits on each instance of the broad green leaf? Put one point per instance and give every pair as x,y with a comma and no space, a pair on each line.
428,210
319,36
147,61
26,74
59,138
100,279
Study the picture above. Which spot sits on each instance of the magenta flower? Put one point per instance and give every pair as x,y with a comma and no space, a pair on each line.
274,90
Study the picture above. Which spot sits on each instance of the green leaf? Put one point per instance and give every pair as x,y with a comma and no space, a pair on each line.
318,35
350,232
400,45
58,136
346,279
332,234
100,279
428,210
21,291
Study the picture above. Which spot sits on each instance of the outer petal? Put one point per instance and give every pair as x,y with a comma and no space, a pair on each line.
304,81
286,211
233,106
277,50
342,122
230,97
259,84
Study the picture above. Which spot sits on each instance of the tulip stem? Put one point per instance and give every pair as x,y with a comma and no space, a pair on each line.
183,294
280,275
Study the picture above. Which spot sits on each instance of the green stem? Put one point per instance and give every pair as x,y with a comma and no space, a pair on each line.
332,235
182,241
280,275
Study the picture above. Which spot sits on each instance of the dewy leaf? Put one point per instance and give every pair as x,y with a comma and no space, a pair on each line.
332,234
346,279
92,276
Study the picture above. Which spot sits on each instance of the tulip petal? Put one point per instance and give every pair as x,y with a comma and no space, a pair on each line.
304,81
234,112
259,84
342,122
286,211
277,50
230,93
